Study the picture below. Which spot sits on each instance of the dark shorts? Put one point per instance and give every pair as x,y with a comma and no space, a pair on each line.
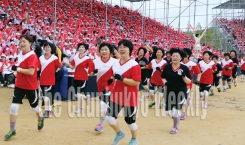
204,87
80,86
174,98
158,88
234,73
31,95
226,78
105,96
129,112
48,91
243,72
216,81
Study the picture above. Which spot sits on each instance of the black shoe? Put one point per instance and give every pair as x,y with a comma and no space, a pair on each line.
40,124
9,135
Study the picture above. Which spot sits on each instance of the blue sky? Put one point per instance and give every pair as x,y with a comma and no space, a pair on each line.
204,12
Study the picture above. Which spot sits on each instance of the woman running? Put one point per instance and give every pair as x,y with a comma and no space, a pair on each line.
216,76
83,66
157,66
49,65
125,93
26,85
143,62
176,76
235,63
227,66
194,69
208,67
103,69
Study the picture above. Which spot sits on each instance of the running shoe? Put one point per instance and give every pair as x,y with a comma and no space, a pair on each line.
151,104
78,111
229,86
99,128
9,135
118,138
224,90
133,142
174,131
218,89
235,84
182,117
40,124
211,94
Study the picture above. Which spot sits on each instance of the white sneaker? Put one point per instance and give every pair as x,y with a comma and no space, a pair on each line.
1,85
11,86
78,111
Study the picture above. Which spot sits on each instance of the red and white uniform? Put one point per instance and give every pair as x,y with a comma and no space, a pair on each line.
156,78
207,69
227,64
194,69
48,68
242,64
104,73
26,61
83,66
123,94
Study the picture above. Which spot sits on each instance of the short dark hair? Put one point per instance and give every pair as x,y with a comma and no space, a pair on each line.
167,52
208,52
142,48
233,51
227,54
27,37
215,56
83,44
52,46
176,50
106,44
187,51
162,51
128,44
197,35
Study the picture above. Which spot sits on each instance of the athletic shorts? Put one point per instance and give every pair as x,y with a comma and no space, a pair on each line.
234,73
226,78
80,86
216,81
174,98
105,97
204,87
31,95
48,91
129,112
243,72
157,88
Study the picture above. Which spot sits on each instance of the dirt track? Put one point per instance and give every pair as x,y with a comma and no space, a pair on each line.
224,124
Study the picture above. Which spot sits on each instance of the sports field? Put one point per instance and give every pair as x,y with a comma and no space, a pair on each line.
224,124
